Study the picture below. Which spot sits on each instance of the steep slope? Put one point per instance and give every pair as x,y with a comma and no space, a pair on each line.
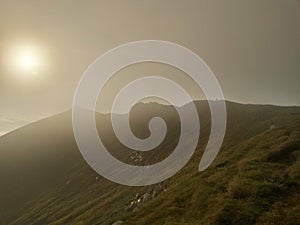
255,178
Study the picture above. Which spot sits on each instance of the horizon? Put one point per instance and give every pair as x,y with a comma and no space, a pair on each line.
3,133
255,58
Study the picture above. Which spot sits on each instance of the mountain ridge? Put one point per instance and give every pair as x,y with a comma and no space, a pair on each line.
45,180
196,101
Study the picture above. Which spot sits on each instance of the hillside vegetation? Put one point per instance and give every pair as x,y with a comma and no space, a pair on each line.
255,179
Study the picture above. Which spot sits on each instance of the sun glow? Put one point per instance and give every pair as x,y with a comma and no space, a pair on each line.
27,62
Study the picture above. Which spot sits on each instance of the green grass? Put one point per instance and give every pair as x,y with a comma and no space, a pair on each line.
254,180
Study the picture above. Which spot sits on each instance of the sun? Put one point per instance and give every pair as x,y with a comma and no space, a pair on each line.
28,61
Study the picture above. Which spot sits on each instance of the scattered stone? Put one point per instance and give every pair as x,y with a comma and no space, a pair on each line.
118,222
146,197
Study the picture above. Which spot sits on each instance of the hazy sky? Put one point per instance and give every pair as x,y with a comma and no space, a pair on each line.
252,46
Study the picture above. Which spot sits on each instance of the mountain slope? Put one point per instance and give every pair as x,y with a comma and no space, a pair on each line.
254,179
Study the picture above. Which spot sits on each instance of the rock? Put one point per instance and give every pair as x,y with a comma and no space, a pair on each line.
146,197
118,222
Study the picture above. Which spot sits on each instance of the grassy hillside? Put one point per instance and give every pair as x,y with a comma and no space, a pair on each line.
254,179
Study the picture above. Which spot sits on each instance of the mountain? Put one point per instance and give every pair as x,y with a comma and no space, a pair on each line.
255,179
